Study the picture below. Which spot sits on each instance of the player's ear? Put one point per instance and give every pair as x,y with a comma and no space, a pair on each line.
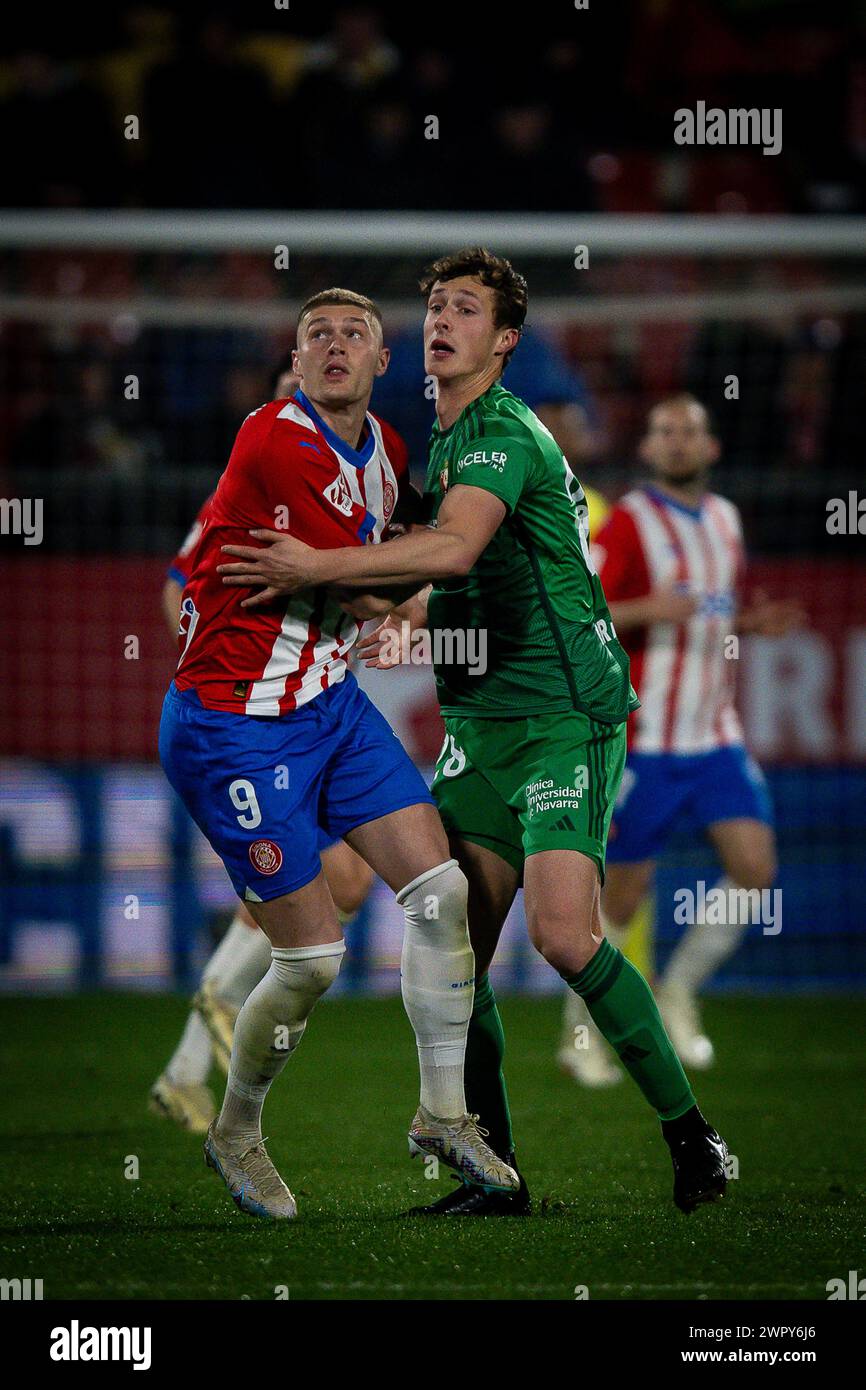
644,450
508,340
383,360
296,363
714,449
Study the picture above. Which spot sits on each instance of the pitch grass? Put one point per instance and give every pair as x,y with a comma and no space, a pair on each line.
787,1093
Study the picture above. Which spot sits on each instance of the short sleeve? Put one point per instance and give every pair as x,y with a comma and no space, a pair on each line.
183,563
497,464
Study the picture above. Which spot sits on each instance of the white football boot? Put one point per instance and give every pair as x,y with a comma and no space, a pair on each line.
583,1053
251,1178
591,1066
219,1019
461,1146
681,1017
192,1107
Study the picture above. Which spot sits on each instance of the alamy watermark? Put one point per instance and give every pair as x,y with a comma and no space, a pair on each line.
444,646
77,1343
854,1287
846,516
737,126
22,516
20,1290
729,907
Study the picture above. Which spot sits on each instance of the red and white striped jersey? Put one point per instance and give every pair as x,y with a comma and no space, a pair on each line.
287,471
679,670
183,563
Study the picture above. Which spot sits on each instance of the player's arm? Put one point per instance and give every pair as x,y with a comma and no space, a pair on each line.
662,605
761,615
374,603
770,617
468,519
378,602
384,646
625,578
172,593
181,568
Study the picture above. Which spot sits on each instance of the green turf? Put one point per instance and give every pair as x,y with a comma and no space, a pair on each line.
787,1093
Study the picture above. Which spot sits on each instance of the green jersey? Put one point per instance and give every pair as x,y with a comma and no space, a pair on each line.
543,636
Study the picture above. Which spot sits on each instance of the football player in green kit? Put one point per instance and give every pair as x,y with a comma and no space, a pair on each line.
535,733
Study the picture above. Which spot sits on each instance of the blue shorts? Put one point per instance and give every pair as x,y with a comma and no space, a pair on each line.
660,790
270,792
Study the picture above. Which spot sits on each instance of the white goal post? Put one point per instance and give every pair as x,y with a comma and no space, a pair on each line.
736,241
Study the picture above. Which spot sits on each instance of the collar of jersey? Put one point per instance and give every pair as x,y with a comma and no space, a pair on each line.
662,497
359,458
492,388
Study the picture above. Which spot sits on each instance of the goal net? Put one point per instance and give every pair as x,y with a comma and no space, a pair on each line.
131,348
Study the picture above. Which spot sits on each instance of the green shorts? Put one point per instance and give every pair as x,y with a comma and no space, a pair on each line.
519,786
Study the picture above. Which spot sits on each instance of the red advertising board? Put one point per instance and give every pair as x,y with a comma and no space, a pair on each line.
87,657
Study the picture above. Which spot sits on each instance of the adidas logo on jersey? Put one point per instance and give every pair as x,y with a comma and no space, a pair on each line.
338,495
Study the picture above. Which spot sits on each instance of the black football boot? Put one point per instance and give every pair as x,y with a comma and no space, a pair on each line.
472,1201
699,1156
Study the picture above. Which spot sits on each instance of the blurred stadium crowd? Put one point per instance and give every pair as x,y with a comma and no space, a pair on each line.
310,109
129,467
324,107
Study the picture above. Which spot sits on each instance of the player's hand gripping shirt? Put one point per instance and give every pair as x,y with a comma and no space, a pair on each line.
287,471
534,590
685,683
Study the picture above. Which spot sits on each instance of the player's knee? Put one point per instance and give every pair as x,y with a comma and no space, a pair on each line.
434,904
619,909
568,958
563,941
350,894
620,903
358,888
307,971
756,870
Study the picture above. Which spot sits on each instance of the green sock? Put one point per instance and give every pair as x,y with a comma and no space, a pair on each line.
622,1006
485,1085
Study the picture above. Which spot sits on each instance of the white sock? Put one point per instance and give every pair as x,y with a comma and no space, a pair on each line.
269,1027
191,1060
239,962
437,968
703,947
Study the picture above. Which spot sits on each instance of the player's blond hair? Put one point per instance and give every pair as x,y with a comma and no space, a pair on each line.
339,296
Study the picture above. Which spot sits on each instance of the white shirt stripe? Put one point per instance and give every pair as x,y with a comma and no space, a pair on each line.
696,700
337,632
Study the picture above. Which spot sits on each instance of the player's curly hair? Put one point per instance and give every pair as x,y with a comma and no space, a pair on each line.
509,286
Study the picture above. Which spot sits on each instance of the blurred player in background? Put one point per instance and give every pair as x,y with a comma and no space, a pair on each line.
181,1092
269,740
671,560
535,741
569,423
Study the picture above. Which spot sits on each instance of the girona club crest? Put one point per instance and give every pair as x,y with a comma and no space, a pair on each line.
265,856
389,497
